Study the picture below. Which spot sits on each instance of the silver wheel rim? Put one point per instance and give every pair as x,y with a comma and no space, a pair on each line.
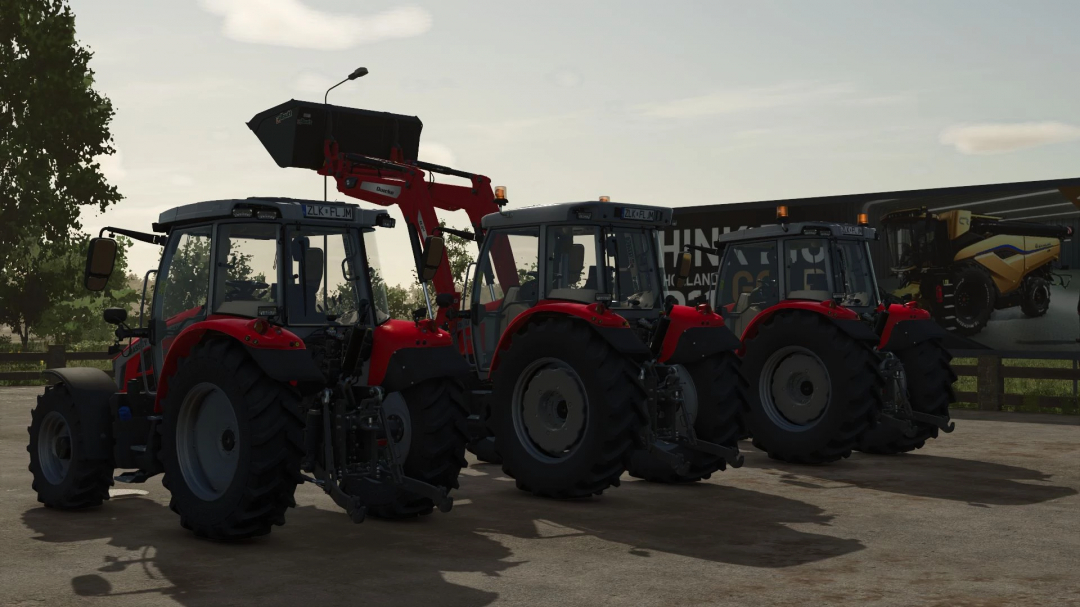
399,423
54,447
207,441
795,388
550,410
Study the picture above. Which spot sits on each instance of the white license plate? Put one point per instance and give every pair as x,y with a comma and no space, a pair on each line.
326,211
639,214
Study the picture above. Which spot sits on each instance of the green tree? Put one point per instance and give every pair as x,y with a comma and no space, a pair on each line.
52,125
42,294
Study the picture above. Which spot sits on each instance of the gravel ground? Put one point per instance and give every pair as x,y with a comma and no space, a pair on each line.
986,516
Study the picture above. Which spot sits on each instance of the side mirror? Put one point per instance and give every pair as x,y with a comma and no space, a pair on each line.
115,316
682,269
433,255
99,263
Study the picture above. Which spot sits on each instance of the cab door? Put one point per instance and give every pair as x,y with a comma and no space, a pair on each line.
506,285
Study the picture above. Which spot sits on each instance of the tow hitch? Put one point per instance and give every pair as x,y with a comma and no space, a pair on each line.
898,412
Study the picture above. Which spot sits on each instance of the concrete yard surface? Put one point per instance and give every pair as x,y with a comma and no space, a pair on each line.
986,516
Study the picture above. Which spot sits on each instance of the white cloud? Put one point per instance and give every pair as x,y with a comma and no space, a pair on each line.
313,82
291,23
565,78
437,153
112,167
790,94
999,138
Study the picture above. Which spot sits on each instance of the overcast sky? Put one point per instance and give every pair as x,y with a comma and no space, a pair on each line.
669,103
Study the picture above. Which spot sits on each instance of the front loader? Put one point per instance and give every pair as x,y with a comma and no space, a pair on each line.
583,367
834,368
961,266
267,359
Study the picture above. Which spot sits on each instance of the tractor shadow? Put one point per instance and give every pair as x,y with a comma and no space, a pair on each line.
319,557
924,475
706,521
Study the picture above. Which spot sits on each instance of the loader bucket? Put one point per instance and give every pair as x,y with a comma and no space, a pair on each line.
294,131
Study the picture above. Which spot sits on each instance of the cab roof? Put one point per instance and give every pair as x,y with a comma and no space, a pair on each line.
799,228
581,212
288,209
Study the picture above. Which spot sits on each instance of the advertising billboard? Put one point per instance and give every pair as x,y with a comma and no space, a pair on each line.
996,264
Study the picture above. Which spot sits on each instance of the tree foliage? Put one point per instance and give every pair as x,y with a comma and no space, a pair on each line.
52,125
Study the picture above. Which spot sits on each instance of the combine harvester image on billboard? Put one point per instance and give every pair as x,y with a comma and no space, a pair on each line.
995,264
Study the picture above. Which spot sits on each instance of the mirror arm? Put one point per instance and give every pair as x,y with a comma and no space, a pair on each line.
157,239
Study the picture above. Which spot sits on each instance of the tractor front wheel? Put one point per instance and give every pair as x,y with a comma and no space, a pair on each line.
564,411
432,422
232,440
929,382
719,390
64,476
814,389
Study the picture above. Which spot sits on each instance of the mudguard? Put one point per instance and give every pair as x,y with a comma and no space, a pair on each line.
278,352
694,333
90,389
613,328
828,309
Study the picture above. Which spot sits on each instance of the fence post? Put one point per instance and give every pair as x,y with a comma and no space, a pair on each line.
991,383
55,357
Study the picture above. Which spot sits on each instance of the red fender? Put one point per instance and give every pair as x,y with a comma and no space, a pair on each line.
683,318
395,335
826,308
899,313
240,329
591,313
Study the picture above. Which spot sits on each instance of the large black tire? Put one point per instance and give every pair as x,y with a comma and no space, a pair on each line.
721,401
930,380
438,414
975,295
798,356
64,477
219,381
1036,297
484,450
602,395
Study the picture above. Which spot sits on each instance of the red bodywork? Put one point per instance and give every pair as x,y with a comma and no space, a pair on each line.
683,318
897,313
395,335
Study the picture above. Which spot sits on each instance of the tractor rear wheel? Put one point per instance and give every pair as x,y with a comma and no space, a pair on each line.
975,295
437,433
232,440
64,477
1036,297
564,411
815,389
929,381
720,392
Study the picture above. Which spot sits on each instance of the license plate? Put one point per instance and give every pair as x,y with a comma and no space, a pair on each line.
639,214
326,211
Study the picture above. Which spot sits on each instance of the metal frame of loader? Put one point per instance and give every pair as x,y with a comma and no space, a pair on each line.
834,372
677,336
258,381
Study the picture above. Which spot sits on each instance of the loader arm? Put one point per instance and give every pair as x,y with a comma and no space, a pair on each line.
414,191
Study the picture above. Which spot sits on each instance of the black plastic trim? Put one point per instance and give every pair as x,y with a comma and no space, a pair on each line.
697,343
410,366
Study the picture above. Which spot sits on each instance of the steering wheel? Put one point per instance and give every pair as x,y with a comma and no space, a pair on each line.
244,289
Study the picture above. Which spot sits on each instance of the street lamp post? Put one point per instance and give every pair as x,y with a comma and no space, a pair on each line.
359,72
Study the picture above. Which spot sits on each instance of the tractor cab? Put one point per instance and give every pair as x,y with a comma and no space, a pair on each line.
579,253
807,261
302,264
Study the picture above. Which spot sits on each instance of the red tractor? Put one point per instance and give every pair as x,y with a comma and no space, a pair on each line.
832,367
582,366
268,353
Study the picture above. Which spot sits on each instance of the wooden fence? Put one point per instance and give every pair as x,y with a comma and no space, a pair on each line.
990,395
54,357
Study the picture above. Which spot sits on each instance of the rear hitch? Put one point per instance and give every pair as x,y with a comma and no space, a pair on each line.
940,421
729,455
